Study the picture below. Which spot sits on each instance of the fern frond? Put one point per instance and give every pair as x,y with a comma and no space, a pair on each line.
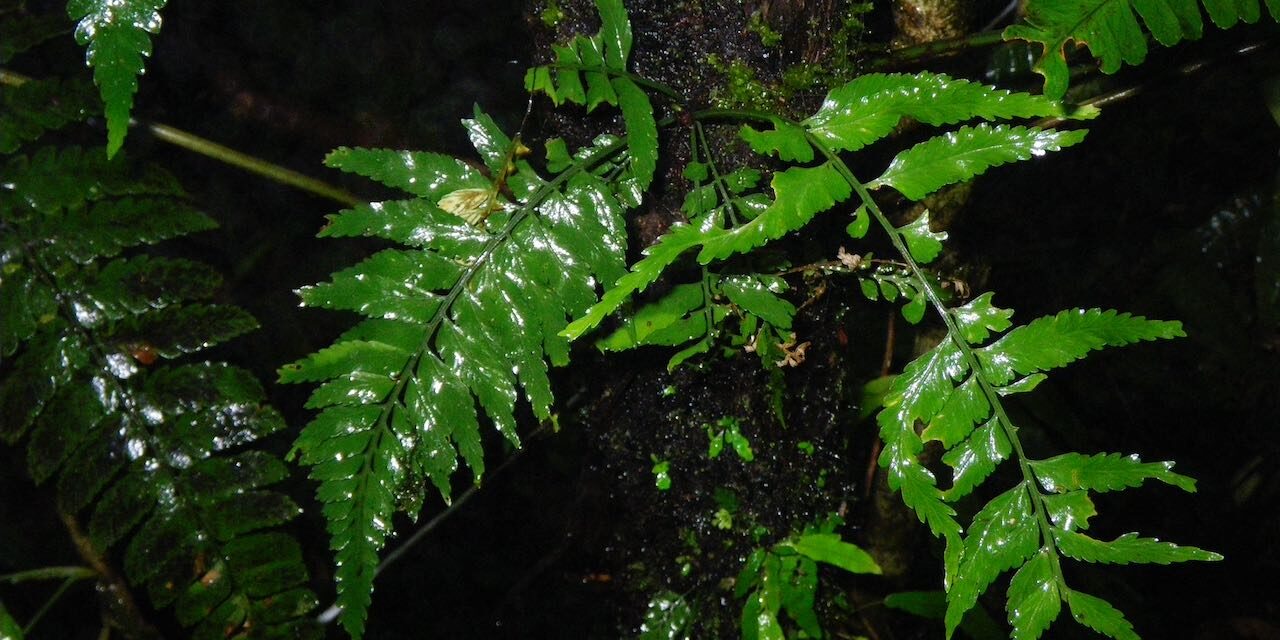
960,155
459,319
20,31
869,107
39,106
1112,29
592,70
117,36
142,449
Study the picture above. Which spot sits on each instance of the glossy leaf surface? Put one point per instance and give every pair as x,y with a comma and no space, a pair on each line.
117,35
140,449
1112,29
459,320
957,156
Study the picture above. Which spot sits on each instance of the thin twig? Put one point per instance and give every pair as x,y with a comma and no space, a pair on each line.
210,149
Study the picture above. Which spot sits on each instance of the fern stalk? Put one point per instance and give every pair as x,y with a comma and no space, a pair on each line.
971,359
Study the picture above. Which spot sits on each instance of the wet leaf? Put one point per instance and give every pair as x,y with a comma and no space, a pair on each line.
1099,615
1050,342
975,459
870,106
117,34
1127,549
828,548
1104,472
1034,599
785,140
923,243
132,441
1112,32
1002,536
754,297
456,325
957,156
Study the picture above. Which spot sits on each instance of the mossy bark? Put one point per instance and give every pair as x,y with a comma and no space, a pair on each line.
677,539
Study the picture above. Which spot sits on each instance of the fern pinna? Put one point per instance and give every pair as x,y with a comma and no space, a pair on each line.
150,447
1112,29
952,394
464,313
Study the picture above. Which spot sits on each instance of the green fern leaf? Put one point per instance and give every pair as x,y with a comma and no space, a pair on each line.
592,71
39,106
118,36
974,459
1111,30
659,322
142,452
923,242
23,31
1099,615
919,393
1071,510
786,140
754,297
800,194
960,155
1002,536
1055,341
1104,472
1126,549
978,319
668,248
870,106
829,548
1034,598
642,131
456,323
615,29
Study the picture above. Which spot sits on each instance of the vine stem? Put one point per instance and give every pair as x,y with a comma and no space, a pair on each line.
224,154
49,573
938,48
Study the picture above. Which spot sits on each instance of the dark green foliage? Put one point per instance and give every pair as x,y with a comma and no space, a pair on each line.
465,314
150,451
1112,29
117,36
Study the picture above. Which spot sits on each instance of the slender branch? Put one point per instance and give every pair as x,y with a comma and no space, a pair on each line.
48,604
210,149
49,573
937,48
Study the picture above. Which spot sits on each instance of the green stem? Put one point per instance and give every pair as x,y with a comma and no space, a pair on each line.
252,164
48,604
49,573
224,154
914,53
639,80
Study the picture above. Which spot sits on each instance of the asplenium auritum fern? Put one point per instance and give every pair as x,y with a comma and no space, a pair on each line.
459,318
952,394
492,264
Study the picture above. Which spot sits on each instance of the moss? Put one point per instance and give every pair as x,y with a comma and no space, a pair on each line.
758,26
552,14
744,90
